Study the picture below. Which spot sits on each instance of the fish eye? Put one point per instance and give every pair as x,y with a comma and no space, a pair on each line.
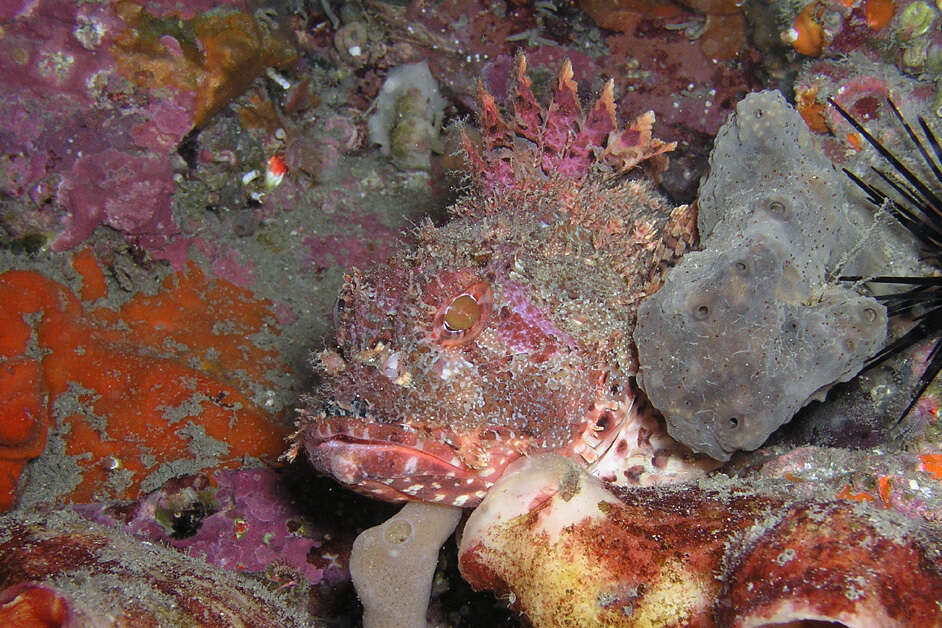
464,316
462,313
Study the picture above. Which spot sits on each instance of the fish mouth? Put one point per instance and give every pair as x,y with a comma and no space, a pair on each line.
399,462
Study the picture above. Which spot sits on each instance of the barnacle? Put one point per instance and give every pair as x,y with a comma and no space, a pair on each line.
463,317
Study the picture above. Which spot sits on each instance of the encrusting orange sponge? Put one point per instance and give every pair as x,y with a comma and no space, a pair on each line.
880,13
162,380
806,35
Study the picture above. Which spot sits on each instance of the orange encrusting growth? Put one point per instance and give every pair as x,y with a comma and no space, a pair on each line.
885,488
93,280
806,34
879,13
137,377
932,464
811,109
847,493
23,412
854,140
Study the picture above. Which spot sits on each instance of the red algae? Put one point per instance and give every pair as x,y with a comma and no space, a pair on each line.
150,383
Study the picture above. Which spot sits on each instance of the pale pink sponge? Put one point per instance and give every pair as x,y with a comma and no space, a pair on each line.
393,563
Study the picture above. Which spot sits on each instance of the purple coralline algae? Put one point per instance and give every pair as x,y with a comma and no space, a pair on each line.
128,193
83,143
238,520
67,124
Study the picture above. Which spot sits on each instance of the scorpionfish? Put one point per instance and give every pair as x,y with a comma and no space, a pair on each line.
508,331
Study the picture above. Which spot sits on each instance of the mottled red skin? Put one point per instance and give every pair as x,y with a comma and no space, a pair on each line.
634,542
556,246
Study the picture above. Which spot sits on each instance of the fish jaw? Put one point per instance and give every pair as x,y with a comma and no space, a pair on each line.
620,440
399,462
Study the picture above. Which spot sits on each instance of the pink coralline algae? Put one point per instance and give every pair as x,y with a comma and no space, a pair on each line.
128,193
238,520
74,135
328,250
362,240
83,143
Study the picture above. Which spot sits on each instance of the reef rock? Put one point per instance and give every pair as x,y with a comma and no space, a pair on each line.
94,100
752,328
116,390
569,551
59,569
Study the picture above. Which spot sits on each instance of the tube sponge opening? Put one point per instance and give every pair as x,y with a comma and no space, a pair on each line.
392,564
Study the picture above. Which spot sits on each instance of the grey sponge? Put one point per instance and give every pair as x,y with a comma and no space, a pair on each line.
747,331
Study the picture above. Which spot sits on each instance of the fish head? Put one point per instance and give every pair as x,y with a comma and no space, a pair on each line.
439,379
